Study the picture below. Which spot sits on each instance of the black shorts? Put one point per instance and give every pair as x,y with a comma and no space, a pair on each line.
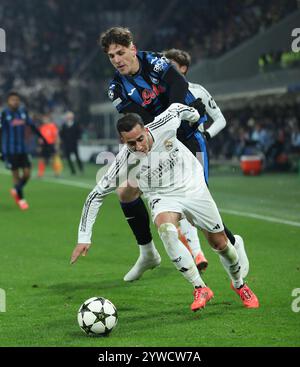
47,151
16,161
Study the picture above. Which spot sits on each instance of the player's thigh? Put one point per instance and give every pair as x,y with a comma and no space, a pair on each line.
165,209
202,211
127,193
26,172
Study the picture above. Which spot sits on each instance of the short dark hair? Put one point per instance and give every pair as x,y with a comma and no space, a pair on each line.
183,58
115,35
128,122
13,94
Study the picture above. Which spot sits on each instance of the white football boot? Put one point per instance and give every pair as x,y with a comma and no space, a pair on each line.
143,263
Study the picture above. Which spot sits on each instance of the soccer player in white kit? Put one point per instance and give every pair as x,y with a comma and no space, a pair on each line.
168,175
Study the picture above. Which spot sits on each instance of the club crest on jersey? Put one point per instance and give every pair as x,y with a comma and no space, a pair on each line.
168,144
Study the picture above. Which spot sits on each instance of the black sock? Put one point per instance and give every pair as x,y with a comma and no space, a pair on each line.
19,187
229,235
137,217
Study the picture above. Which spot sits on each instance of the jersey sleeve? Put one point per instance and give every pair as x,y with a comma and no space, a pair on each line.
118,96
211,108
172,117
108,183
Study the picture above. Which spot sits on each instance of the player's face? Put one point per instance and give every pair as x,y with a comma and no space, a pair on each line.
138,139
13,102
124,59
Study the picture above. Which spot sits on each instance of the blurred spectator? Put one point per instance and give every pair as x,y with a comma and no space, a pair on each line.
272,131
48,152
295,140
70,134
278,60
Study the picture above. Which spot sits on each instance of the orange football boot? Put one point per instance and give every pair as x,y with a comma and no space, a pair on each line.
201,297
248,298
23,205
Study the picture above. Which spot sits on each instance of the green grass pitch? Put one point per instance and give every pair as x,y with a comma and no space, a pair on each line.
44,292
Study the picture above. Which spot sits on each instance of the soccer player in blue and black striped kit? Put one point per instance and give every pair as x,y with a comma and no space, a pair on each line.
14,119
146,83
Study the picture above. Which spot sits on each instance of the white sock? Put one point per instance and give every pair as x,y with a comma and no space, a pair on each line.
230,260
148,250
191,234
179,254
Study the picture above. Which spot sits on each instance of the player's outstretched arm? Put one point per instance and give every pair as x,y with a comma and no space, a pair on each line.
80,249
94,201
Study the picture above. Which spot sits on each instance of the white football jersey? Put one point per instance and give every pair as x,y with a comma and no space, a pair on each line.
168,169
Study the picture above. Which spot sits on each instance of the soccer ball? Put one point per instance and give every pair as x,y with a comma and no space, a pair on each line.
97,316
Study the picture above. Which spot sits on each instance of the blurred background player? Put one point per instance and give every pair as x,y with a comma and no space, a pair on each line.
70,135
49,152
14,119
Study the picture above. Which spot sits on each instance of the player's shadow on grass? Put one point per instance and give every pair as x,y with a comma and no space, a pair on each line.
65,288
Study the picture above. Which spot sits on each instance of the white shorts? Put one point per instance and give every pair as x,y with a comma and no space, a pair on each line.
198,207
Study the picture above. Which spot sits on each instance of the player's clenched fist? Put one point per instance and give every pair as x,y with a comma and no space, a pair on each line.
80,249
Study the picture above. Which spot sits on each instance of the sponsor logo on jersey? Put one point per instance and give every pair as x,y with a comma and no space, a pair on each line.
149,95
159,64
168,144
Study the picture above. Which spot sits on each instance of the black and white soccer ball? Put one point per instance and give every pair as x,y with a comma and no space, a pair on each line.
97,316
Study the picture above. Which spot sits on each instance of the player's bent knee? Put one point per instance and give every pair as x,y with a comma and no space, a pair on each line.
128,194
168,233
218,241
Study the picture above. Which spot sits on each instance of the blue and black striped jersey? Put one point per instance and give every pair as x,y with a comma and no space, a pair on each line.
12,126
149,88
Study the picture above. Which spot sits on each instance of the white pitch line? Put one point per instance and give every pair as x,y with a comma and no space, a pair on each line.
63,181
261,217
84,185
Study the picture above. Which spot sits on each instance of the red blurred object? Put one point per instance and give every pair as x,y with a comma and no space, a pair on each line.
251,164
